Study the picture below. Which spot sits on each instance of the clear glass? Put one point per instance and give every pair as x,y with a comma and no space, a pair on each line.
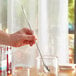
3,61
23,58
51,63
21,71
24,71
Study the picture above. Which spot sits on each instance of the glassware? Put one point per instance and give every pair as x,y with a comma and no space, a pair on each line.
51,62
3,61
21,71
22,57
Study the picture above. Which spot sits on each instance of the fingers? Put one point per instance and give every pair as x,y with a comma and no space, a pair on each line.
22,37
30,39
27,31
24,31
31,43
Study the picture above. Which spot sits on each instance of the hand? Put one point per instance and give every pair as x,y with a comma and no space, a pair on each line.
23,37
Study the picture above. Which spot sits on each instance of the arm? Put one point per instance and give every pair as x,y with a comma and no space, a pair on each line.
4,38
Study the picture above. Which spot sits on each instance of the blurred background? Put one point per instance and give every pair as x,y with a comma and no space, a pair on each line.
52,22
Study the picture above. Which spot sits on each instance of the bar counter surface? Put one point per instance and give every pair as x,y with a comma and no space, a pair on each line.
63,71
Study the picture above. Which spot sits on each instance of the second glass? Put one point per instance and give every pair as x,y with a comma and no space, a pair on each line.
51,63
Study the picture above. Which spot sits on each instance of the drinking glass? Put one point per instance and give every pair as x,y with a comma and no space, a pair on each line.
52,64
24,71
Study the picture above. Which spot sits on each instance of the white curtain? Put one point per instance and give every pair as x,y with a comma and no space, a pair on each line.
3,15
53,28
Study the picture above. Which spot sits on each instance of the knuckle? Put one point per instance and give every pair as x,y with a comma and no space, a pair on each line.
24,29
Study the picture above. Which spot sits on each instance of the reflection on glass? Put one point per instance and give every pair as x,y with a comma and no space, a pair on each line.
51,62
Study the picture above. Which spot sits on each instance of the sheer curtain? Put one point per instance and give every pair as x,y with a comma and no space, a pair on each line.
3,15
53,28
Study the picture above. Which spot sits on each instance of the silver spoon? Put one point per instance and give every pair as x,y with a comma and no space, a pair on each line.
36,42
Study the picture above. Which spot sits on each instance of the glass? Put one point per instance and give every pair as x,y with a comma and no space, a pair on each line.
18,71
52,64
39,69
23,58
24,71
3,61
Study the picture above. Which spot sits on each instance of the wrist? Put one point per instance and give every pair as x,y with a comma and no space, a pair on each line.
9,39
4,39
